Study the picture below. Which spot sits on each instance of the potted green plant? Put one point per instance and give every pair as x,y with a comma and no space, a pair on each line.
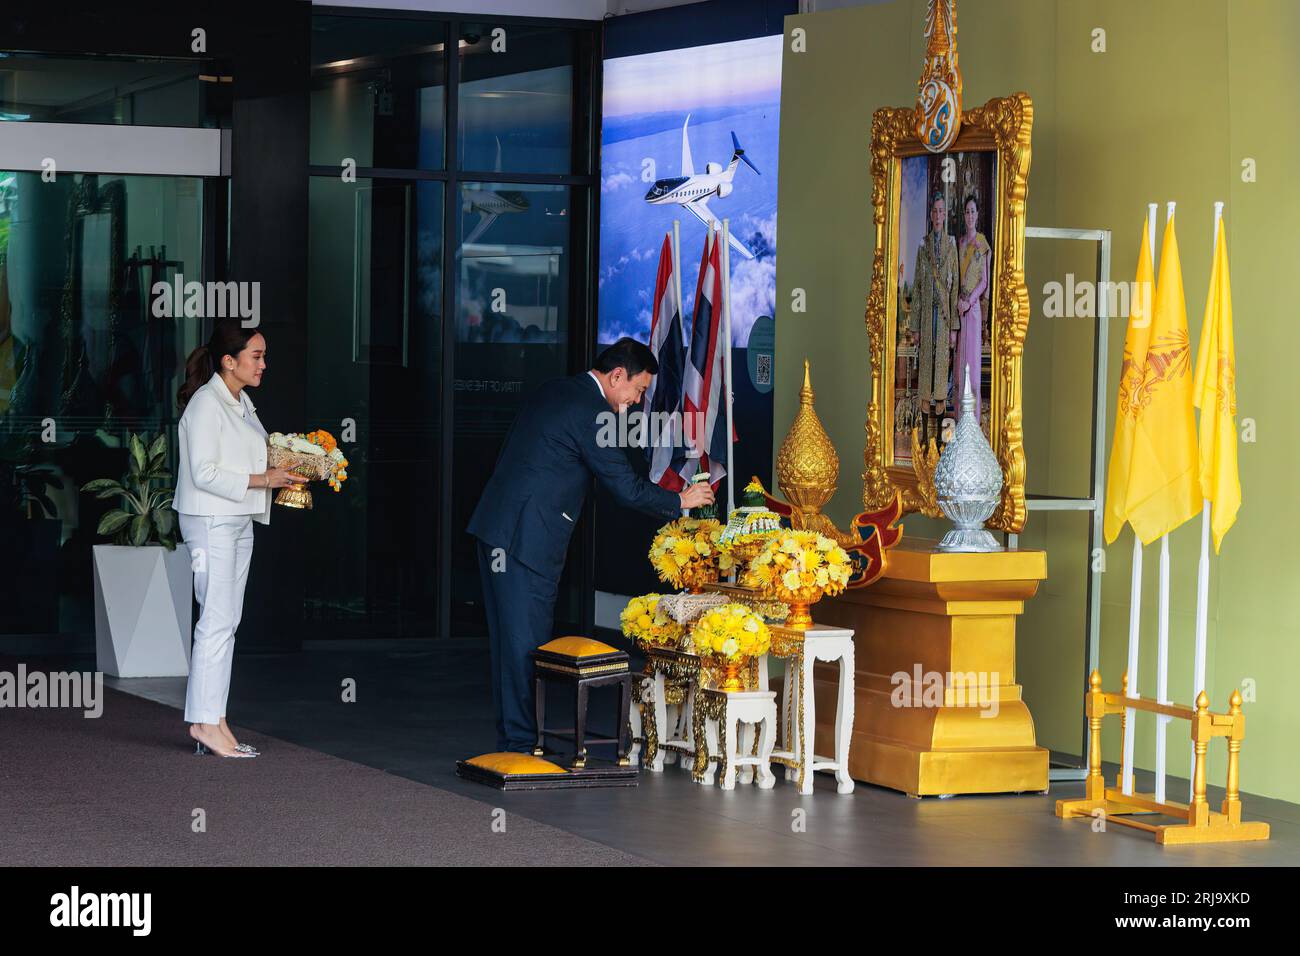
143,582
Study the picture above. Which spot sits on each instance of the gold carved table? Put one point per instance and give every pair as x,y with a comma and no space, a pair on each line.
662,716
938,708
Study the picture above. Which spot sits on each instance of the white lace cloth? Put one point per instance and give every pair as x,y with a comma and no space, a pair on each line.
684,608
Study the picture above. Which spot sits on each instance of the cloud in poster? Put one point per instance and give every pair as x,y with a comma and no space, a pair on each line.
726,88
732,75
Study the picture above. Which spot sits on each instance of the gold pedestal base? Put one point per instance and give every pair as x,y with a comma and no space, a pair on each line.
937,709
1116,808
294,497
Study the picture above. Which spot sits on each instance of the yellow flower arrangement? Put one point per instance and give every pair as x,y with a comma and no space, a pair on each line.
687,553
648,624
799,568
731,631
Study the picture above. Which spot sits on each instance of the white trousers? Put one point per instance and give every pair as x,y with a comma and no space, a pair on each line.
221,550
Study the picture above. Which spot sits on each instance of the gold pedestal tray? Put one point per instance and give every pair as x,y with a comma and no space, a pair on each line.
294,497
308,467
952,615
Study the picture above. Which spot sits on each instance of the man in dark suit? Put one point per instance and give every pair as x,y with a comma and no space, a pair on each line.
527,512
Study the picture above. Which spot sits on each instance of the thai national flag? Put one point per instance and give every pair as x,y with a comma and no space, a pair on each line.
663,399
704,415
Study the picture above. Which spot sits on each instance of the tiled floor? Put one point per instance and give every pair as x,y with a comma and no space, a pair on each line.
421,705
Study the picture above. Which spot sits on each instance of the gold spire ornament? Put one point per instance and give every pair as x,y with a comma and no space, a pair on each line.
807,474
807,466
938,91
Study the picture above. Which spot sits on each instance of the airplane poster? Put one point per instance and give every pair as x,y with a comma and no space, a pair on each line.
691,135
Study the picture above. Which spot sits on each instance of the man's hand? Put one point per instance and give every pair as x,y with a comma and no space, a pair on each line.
696,495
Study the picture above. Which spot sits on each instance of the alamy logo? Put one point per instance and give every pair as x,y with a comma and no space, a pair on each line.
212,300
638,429
103,909
79,691
946,689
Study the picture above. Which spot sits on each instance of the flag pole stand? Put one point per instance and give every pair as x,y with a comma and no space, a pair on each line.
1202,825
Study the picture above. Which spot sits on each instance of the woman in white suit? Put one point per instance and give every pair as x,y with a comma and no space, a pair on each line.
222,487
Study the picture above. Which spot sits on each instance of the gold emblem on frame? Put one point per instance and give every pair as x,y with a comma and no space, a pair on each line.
1002,127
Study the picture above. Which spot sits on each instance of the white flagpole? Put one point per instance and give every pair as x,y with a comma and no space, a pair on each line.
1135,589
1162,650
726,363
677,271
678,435
1203,565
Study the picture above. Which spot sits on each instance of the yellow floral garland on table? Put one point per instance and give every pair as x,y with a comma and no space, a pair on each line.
646,623
687,552
730,631
796,564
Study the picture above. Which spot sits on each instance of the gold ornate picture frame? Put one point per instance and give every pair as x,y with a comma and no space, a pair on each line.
1000,127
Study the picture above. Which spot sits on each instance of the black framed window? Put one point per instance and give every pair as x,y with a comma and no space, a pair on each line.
449,265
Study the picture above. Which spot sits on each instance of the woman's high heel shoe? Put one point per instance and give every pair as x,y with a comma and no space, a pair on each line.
200,749
246,749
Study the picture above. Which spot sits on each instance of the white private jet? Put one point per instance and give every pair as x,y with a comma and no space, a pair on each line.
491,203
693,191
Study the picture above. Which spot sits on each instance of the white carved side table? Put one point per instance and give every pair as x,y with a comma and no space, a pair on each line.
719,718
798,707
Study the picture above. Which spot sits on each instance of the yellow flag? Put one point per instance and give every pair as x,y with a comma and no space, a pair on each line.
1163,479
1215,392
1130,383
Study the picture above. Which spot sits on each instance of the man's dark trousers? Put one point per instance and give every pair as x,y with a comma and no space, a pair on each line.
520,605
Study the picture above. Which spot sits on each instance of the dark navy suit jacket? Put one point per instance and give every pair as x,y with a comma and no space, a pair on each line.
532,501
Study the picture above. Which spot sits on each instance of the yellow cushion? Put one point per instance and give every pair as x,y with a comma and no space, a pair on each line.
513,764
577,647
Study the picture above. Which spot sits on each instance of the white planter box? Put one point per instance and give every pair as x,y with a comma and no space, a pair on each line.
143,610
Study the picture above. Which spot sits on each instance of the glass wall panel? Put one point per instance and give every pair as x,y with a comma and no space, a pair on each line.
378,92
374,354
516,106
512,334
83,362
125,90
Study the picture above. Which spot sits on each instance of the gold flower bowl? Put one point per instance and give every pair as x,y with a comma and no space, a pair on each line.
695,575
728,674
742,552
311,467
800,602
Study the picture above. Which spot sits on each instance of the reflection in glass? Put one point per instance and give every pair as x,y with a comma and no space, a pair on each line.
374,347
512,334
83,362
516,98
378,92
118,90
513,263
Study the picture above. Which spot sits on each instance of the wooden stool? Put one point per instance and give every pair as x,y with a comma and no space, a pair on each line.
585,663
719,717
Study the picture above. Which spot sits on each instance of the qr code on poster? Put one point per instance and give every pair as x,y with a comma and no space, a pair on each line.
763,374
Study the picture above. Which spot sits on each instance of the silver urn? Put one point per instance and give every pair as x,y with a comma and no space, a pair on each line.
968,483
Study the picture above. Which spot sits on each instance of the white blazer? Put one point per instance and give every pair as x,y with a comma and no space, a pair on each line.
221,444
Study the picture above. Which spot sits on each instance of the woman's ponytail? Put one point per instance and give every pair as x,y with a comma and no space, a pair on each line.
198,369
